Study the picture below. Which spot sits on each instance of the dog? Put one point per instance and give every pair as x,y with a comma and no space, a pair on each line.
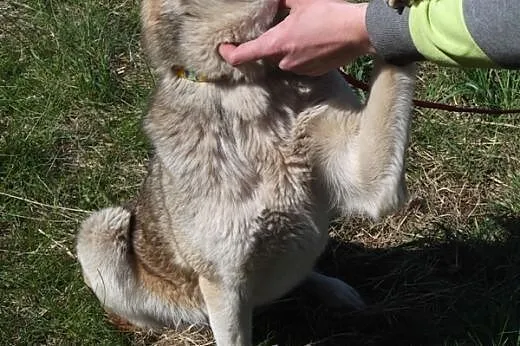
249,164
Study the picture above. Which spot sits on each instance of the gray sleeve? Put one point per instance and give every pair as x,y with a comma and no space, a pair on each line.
495,28
389,33
492,27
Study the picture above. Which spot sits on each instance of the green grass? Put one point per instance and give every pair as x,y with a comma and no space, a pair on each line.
73,88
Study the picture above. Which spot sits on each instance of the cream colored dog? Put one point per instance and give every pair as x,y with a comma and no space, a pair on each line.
248,166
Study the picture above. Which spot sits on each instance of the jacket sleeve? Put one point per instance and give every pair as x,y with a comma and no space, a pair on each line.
469,33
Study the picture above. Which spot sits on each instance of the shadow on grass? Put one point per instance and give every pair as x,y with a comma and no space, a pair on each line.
427,292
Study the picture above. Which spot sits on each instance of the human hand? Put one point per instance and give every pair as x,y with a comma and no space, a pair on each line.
316,37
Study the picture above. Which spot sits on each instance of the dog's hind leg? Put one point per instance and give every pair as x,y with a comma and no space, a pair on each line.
230,311
333,292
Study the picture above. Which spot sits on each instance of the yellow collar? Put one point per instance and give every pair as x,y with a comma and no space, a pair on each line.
193,76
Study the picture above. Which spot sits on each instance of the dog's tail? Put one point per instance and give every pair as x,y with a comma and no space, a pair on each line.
102,247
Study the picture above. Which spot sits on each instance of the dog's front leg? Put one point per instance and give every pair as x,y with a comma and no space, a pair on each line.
230,312
360,154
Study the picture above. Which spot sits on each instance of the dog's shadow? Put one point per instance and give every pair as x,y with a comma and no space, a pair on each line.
426,292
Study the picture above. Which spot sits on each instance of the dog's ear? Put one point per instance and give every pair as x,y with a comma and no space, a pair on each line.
187,33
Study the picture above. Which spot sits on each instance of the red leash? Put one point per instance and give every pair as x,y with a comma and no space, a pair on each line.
433,105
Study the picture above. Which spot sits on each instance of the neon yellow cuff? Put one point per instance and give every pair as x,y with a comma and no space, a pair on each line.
440,34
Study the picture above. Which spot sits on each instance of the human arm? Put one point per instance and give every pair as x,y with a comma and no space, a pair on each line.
311,40
468,33
471,33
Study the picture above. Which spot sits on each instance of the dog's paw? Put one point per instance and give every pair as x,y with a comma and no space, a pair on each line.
334,292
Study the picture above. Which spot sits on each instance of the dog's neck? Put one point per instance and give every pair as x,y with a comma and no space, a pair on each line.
191,75
195,76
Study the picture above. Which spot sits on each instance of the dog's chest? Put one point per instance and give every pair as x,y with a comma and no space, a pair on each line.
230,141
239,178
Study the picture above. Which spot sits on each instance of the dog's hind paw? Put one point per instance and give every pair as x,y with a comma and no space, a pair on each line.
334,292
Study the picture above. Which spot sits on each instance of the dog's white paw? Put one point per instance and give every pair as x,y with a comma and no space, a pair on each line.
334,292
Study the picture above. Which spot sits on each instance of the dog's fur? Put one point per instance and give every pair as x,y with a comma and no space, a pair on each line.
246,172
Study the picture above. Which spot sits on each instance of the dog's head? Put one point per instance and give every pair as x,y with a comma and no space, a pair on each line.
187,33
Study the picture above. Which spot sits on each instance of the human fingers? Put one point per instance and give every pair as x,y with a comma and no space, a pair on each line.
261,47
248,51
226,51
286,3
292,3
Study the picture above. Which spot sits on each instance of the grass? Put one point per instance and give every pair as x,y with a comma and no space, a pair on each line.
73,88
